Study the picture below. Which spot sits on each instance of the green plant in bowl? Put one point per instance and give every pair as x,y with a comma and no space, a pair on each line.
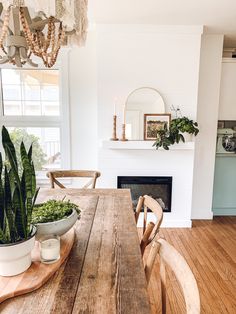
184,124
53,210
176,132
54,217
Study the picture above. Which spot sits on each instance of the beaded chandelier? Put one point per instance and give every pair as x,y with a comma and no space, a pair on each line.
21,36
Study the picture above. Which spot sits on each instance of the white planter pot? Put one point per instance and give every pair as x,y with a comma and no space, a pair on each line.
188,137
16,258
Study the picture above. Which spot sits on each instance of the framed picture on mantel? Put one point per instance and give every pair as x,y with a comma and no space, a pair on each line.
154,122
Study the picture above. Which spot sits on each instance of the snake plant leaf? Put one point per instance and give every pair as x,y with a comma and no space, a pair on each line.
30,152
12,179
22,185
9,206
18,192
1,164
8,146
20,216
27,168
3,238
33,179
35,196
16,177
1,196
12,164
28,171
33,169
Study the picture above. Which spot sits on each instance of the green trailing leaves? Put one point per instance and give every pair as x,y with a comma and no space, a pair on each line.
18,192
168,136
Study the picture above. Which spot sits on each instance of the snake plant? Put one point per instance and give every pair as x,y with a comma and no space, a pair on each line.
18,192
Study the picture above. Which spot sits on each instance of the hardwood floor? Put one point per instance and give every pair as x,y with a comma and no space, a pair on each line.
210,250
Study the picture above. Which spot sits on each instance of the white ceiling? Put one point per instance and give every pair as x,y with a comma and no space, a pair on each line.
219,16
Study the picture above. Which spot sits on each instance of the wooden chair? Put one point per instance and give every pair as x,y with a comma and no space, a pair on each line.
170,256
150,230
53,175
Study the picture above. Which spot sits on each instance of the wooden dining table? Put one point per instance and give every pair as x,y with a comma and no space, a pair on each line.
104,271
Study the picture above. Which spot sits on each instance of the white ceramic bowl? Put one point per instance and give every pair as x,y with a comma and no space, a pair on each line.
58,227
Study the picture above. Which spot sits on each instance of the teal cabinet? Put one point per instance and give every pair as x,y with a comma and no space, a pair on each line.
224,194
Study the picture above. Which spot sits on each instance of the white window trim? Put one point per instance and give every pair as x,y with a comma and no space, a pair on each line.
62,121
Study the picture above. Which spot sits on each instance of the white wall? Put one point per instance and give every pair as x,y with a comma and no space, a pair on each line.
83,104
207,116
166,58
227,108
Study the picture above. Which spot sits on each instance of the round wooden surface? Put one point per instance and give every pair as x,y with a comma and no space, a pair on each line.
37,274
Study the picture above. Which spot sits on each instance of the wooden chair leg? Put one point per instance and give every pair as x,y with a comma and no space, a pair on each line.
147,233
163,285
139,208
51,180
151,259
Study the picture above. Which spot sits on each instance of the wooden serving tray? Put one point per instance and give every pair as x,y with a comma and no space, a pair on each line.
37,274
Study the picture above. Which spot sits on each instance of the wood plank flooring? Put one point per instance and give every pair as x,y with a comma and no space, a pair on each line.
210,250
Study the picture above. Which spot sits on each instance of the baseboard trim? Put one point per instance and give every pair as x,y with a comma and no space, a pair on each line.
205,216
167,222
224,211
177,224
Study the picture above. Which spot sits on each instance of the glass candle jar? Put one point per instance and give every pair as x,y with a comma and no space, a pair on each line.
50,249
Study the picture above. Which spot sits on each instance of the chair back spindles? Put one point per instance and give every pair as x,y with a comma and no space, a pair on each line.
144,217
149,229
53,175
171,257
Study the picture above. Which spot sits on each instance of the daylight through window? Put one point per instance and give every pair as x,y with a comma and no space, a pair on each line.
31,112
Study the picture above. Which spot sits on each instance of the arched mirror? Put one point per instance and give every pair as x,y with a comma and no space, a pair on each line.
141,102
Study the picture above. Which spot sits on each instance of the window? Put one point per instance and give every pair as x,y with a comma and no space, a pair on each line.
31,110
30,92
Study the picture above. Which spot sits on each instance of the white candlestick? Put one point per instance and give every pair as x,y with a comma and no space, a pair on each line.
50,250
114,114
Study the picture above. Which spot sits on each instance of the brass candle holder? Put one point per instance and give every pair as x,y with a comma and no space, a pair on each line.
114,137
123,137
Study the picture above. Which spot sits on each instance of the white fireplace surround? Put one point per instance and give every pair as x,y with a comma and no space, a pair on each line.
175,163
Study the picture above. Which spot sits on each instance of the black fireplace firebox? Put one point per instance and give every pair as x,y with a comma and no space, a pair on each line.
159,188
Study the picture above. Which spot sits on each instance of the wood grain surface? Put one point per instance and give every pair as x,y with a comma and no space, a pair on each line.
104,271
209,248
37,274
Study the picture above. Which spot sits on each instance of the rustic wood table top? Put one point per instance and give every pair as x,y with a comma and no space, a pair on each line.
104,271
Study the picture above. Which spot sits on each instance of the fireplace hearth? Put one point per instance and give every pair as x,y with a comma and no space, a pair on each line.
159,188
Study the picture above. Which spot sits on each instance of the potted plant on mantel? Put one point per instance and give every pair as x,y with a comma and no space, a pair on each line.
18,194
178,130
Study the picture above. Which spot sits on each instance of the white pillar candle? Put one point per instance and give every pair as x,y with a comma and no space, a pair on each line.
50,250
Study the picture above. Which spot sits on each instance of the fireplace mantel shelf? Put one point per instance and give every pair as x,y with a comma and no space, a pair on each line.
143,145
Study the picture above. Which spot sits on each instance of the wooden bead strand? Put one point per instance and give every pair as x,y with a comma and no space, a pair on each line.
5,28
47,51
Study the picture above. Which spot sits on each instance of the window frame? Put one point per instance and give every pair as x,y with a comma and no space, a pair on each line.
62,121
